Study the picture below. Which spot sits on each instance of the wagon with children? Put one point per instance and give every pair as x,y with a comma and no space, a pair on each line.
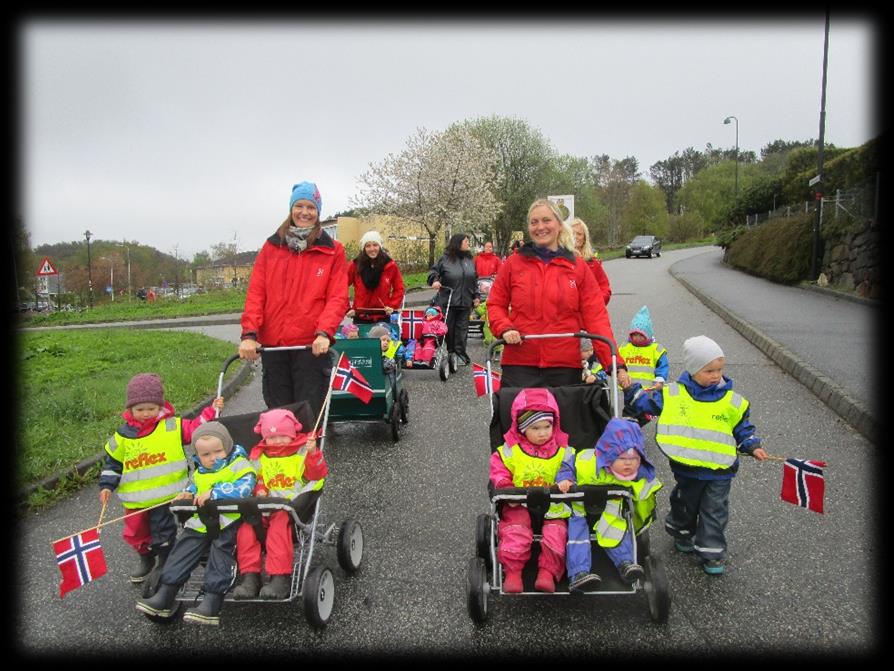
572,497
253,509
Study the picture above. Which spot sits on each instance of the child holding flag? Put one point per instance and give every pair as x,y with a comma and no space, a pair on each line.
702,425
289,466
145,465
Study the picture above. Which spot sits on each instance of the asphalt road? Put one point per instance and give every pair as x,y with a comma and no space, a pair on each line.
797,584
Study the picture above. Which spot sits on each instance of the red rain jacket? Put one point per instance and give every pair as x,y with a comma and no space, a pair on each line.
292,296
389,293
487,265
561,296
605,287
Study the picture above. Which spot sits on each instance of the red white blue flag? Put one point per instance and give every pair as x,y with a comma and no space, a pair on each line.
803,483
347,378
80,559
484,384
411,322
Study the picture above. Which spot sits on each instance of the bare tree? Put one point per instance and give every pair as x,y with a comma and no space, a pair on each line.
442,181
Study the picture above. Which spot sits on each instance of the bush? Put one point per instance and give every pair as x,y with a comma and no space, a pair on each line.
779,250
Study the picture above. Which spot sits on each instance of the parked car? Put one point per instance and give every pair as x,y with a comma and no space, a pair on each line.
643,245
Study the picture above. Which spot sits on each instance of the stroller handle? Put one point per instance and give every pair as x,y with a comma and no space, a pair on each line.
235,357
577,334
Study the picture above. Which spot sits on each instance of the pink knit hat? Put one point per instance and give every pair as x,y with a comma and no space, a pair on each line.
145,388
278,422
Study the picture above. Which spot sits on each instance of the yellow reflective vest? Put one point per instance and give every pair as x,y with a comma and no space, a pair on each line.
392,350
284,476
528,471
699,433
154,467
641,361
611,525
238,468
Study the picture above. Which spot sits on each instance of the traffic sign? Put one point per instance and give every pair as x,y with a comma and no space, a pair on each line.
813,181
46,268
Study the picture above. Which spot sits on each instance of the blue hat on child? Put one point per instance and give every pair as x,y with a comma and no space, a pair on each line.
306,191
642,323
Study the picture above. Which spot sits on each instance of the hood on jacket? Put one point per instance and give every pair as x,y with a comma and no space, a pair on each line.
619,436
535,399
437,308
700,393
235,453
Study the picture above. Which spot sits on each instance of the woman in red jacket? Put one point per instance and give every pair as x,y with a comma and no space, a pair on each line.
376,280
297,295
487,263
545,288
584,249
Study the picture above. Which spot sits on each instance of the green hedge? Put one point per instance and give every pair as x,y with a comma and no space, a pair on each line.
779,250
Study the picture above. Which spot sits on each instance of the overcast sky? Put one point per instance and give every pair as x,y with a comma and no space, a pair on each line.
180,134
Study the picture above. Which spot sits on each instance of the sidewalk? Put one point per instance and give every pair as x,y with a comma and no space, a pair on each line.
824,340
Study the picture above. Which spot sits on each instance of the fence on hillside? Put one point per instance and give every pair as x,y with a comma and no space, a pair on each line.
860,202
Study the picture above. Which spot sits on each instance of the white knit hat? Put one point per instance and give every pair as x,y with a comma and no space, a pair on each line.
370,236
699,351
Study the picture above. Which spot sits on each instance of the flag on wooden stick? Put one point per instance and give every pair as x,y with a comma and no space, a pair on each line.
484,384
347,378
803,483
80,559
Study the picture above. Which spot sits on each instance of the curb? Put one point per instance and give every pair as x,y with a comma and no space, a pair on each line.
81,467
852,411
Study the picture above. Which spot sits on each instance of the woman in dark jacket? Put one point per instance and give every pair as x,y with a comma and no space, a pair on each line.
456,270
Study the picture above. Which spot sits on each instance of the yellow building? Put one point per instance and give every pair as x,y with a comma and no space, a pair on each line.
406,242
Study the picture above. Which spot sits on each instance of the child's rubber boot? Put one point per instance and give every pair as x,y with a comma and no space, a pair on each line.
630,572
512,583
279,587
545,581
249,587
150,584
684,546
207,612
144,568
162,603
713,566
583,582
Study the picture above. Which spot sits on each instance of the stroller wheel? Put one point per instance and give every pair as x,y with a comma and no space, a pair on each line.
453,365
444,368
404,406
350,545
482,538
656,588
318,595
477,590
394,420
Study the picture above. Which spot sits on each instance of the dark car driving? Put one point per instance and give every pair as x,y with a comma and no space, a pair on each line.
643,245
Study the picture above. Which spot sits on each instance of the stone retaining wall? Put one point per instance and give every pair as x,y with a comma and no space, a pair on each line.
851,261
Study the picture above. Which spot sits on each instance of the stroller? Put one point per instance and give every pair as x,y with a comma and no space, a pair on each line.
390,400
585,410
314,585
478,324
410,328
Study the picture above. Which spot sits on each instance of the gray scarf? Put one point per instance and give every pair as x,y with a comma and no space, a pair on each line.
296,237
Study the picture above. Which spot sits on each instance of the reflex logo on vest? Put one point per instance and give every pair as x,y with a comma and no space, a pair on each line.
145,459
281,481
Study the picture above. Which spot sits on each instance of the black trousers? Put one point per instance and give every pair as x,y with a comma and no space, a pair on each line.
532,376
458,331
220,570
290,376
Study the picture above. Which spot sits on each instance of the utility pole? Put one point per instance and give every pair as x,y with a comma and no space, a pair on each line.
87,235
815,253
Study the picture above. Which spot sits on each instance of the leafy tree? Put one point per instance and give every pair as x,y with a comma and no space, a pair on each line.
442,181
522,162
614,179
645,212
670,175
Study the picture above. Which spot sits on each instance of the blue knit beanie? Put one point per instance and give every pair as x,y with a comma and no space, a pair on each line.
306,191
642,323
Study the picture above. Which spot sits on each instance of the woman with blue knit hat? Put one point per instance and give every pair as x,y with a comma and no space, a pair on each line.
297,295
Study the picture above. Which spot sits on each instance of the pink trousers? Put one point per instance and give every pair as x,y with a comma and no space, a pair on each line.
516,536
280,551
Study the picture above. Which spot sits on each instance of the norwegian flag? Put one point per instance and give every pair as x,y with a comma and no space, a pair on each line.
483,383
803,483
411,324
80,559
347,378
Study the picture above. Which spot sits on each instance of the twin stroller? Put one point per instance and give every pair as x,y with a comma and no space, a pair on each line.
585,410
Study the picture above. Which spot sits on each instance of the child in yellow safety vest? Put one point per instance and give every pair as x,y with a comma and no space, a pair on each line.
223,472
702,427
619,458
145,464
289,466
646,359
535,454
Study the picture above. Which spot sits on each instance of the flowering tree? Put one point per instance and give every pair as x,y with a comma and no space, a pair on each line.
442,181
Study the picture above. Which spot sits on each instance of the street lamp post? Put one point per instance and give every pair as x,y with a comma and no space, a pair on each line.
87,235
726,121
